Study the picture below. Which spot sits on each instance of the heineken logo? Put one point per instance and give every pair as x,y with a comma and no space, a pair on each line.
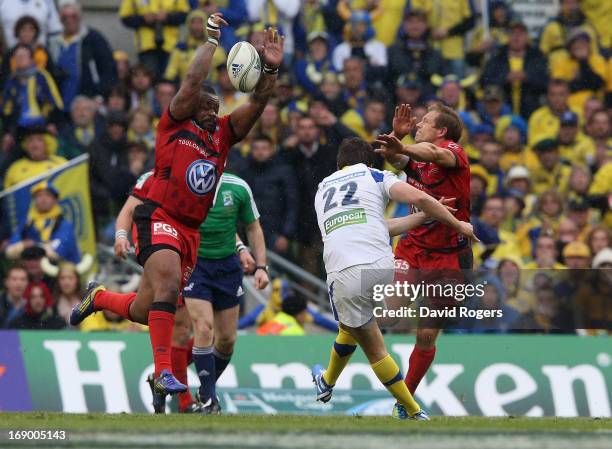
349,217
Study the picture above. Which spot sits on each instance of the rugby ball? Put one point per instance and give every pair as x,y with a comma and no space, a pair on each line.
244,66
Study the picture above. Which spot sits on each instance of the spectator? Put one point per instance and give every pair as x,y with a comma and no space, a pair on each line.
544,122
546,216
567,232
579,182
39,147
555,32
165,91
83,57
412,54
113,154
579,212
449,20
514,152
520,69
43,11
369,122
479,180
493,105
84,131
289,321
27,31
234,12
122,62
582,66
157,28
182,54
518,183
493,299
489,227
312,68
359,42
118,99
46,227
271,125
279,14
141,87
275,191
68,291
313,159
331,94
30,94
550,172
229,97
599,239
545,254
598,128
356,91
140,128
509,273
12,299
577,256
599,14
574,147
32,262
543,315
481,46
38,313
408,90
489,158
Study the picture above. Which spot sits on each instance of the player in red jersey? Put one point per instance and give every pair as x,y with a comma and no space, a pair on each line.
439,166
192,144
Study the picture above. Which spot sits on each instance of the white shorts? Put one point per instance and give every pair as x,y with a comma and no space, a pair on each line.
351,290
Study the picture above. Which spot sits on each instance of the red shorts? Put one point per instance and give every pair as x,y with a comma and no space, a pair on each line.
424,259
154,230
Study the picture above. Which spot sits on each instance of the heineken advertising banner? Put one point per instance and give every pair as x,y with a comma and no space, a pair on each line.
472,375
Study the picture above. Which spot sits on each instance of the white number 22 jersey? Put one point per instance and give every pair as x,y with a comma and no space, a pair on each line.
350,206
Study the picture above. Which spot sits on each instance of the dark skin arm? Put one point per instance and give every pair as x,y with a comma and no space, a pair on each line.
244,117
186,101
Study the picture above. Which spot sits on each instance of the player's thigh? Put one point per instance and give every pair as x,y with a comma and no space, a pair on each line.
370,340
182,327
225,326
164,270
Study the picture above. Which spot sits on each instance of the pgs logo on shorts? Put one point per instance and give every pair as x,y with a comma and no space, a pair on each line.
160,228
201,177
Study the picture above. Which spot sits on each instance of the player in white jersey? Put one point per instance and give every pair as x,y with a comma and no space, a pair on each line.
350,206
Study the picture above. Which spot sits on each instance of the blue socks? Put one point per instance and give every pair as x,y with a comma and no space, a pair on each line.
204,361
221,362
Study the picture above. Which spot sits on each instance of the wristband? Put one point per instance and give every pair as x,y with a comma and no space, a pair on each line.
270,70
211,25
121,234
212,40
240,247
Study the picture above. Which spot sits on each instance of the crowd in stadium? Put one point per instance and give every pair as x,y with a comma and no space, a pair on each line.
537,114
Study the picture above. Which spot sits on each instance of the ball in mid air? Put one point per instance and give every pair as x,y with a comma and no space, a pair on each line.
244,66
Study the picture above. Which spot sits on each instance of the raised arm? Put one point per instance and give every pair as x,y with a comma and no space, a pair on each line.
186,100
405,193
244,117
420,152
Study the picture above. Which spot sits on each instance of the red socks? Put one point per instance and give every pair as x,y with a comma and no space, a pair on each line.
179,368
161,326
420,361
115,302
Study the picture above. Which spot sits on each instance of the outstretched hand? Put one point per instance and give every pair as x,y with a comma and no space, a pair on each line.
272,48
403,121
390,146
218,21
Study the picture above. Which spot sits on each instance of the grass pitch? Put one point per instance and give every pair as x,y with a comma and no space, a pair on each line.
306,432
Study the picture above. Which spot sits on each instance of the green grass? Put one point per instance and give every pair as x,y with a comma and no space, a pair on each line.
136,423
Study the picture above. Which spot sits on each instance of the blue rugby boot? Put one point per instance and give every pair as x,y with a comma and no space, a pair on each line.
86,306
324,391
159,400
400,412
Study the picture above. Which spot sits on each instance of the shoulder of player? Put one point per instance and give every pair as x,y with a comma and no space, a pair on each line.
234,182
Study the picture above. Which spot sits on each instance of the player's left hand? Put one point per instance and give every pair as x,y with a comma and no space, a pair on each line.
246,261
261,279
467,230
403,121
272,48
389,145
214,24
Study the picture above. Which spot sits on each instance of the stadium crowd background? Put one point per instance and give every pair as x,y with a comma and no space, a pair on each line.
537,114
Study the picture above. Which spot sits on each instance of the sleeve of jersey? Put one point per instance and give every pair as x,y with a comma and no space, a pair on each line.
389,179
460,154
248,208
141,188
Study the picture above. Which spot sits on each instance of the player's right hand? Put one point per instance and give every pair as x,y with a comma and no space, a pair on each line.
122,247
214,23
467,230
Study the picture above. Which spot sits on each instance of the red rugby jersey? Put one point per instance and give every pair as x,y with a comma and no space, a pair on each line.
439,182
189,162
